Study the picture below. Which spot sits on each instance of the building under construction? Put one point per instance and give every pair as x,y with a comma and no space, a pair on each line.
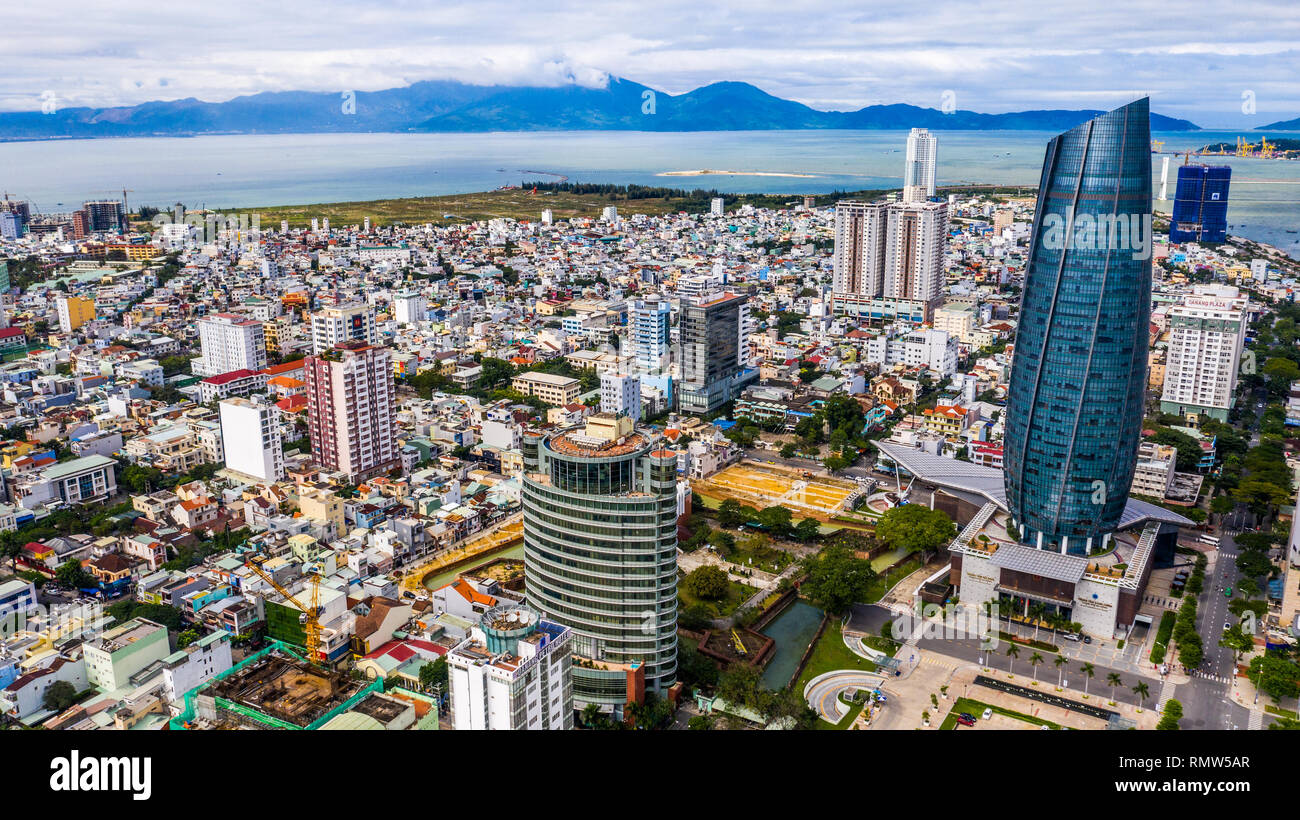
273,689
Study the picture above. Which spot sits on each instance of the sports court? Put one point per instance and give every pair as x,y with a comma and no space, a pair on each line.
767,485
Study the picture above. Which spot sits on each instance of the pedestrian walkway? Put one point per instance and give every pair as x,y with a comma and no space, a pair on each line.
1256,720
1166,694
1196,673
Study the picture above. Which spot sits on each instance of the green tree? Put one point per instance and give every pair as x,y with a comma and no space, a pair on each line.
730,513
59,696
1275,675
837,579
915,528
807,530
434,675
1172,715
777,520
708,582
71,575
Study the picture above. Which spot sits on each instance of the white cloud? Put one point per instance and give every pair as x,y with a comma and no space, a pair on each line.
997,57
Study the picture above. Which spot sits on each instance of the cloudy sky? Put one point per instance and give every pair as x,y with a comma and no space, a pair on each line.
1202,61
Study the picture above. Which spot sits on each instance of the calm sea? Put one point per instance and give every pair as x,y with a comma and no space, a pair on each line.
251,171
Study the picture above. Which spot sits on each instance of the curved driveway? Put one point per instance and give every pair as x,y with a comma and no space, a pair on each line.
823,692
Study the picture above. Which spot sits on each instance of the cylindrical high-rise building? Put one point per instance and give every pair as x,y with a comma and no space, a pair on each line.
1074,408
600,553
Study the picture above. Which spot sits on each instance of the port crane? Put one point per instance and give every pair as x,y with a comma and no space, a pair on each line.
310,617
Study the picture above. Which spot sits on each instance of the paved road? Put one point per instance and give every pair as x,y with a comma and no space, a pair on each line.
870,618
823,692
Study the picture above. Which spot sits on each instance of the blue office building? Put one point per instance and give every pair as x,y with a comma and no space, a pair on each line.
1201,204
1074,410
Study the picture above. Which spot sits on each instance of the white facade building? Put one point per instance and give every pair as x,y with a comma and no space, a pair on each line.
1207,332
513,672
230,342
927,347
250,435
915,242
620,394
918,173
410,307
335,325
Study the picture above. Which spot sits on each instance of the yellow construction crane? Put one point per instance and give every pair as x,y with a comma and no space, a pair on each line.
1243,147
1265,149
310,618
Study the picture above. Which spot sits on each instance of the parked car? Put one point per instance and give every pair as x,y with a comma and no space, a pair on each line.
1086,639
1070,636
988,713
965,721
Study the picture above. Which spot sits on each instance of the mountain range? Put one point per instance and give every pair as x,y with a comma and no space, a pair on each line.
448,106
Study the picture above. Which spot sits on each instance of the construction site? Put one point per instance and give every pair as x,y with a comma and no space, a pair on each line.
273,689
764,485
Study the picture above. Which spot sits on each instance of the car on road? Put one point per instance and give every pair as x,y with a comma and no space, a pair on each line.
1226,626
965,721
1227,593
1086,639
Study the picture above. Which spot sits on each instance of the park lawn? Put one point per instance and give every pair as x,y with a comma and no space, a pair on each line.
737,594
829,654
773,560
977,708
883,583
854,710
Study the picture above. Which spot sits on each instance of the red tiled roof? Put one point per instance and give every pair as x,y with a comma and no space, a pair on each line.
292,404
226,378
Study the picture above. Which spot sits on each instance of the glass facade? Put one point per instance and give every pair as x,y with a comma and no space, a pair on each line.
600,557
1075,403
1201,204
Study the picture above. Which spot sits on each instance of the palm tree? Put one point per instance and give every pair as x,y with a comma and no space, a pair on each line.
1088,671
1061,662
1114,680
1037,611
1034,660
1013,652
1142,691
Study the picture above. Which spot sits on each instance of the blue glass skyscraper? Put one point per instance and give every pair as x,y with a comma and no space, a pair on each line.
1201,204
1074,411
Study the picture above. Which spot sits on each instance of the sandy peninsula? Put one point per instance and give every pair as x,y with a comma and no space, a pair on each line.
710,172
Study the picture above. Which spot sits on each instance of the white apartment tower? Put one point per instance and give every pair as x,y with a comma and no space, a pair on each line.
918,173
717,206
250,436
859,248
335,325
230,342
892,250
410,307
620,394
350,409
514,671
648,331
915,243
1207,331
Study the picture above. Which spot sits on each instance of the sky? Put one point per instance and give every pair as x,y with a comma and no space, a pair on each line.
1221,65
